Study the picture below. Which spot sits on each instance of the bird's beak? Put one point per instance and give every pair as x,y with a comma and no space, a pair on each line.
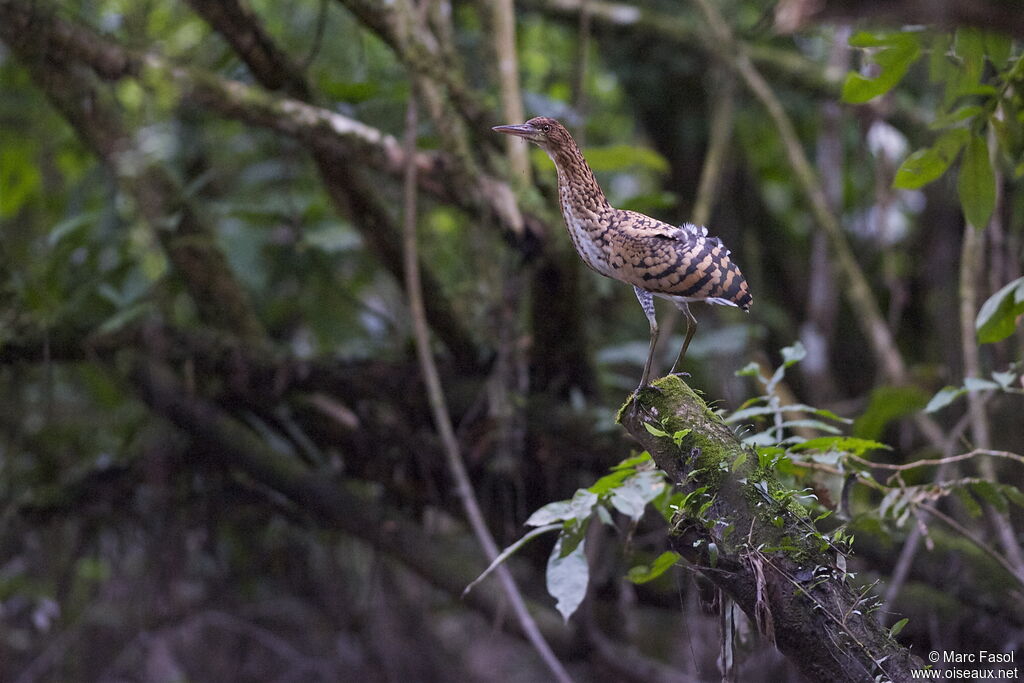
522,130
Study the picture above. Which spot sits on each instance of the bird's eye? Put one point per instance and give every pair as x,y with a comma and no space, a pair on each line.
546,128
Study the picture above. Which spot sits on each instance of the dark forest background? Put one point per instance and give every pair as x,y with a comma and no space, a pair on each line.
239,443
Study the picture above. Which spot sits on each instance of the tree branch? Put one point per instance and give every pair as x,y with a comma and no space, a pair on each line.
798,596
189,243
630,22
218,436
334,139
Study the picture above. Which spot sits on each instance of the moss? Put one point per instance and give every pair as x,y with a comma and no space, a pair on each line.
675,404
664,393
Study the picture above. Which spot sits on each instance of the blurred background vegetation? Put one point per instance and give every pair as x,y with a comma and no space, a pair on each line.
218,461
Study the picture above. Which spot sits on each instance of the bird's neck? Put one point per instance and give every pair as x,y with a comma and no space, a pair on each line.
577,186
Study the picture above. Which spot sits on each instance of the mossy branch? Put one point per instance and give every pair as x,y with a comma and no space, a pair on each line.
741,530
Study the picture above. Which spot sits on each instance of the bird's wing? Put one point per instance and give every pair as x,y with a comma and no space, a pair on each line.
679,262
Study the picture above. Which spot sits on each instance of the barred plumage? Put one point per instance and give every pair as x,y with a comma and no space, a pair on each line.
681,264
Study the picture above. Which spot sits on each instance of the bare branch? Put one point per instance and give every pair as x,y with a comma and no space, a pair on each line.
442,418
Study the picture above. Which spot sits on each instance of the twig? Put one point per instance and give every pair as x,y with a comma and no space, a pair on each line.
439,407
938,461
980,544
912,544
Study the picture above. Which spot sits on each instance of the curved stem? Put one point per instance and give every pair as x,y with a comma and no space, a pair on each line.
439,408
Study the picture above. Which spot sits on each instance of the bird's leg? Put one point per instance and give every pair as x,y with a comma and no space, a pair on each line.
647,303
691,329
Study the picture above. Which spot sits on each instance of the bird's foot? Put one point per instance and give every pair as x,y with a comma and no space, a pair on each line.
635,397
679,374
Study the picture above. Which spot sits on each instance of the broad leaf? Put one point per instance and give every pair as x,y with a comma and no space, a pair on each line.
897,627
899,51
567,578
997,317
578,508
632,497
888,404
623,157
979,384
848,444
976,185
631,463
998,47
552,512
643,573
928,164
943,398
610,481
507,552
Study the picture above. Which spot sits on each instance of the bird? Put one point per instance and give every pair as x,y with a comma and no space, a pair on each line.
682,264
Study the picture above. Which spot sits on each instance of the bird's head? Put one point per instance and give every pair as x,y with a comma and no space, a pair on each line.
548,134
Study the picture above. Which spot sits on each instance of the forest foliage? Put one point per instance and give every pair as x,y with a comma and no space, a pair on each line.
231,450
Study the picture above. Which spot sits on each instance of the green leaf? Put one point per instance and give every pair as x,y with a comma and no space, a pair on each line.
790,356
577,508
847,444
582,503
754,370
979,384
928,164
943,398
712,555
631,463
552,512
668,503
938,61
507,552
969,45
1012,493
567,577
969,503
654,430
897,627
632,497
610,481
988,492
643,573
738,461
346,91
959,114
68,226
623,157
977,183
793,354
998,48
997,318
1004,379
899,51
887,404
125,316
